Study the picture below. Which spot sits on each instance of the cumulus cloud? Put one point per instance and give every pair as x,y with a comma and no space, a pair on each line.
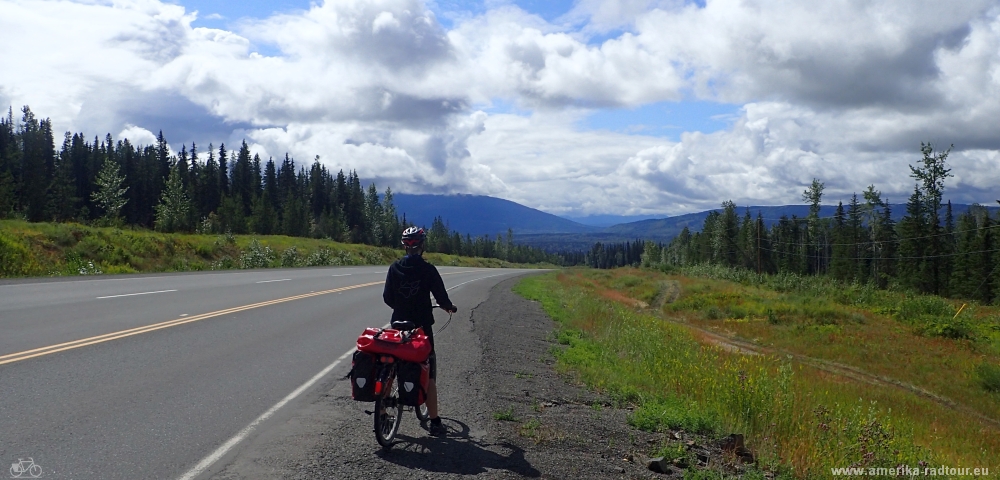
843,91
137,135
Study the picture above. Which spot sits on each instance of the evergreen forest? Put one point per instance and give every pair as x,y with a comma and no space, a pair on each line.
211,190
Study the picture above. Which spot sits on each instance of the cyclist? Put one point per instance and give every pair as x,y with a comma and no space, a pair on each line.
408,288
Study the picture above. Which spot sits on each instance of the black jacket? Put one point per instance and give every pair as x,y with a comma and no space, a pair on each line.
408,288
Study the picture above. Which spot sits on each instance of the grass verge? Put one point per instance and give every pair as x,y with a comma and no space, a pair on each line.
55,249
798,419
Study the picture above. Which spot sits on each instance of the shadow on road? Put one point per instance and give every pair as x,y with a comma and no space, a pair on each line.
456,453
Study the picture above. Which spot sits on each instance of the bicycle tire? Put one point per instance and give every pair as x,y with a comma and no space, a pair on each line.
388,415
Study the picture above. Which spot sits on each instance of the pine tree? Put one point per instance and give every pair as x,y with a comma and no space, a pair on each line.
856,237
931,175
263,217
373,216
392,232
841,265
172,211
913,233
34,178
963,282
61,191
814,195
110,196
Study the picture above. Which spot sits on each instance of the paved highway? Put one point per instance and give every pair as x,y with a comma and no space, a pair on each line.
157,376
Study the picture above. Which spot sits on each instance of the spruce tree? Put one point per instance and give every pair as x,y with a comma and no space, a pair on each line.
841,265
172,211
813,196
109,195
913,235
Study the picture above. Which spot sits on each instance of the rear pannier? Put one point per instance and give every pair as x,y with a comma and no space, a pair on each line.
363,377
389,341
413,379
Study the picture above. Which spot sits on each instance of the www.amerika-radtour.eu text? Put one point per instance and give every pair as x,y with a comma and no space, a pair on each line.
905,471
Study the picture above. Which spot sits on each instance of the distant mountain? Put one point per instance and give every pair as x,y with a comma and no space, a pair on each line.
481,215
609,220
665,229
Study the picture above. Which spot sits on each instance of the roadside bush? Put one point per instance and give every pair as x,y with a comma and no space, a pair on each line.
224,263
290,257
256,256
673,414
915,308
77,265
15,259
320,258
957,328
988,376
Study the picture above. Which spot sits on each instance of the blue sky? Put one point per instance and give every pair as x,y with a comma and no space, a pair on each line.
664,119
494,103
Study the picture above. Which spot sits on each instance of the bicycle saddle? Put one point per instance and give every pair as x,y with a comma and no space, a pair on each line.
403,325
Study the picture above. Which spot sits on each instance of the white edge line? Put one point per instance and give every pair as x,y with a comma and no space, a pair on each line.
80,280
474,279
269,281
134,294
239,437
342,275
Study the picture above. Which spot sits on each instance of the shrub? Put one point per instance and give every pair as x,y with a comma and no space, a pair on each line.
916,307
945,327
224,263
16,260
290,257
988,375
256,256
673,414
320,258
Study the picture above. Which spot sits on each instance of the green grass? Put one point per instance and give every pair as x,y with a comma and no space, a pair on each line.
795,417
55,249
506,415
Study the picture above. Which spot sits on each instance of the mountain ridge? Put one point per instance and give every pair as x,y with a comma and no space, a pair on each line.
482,215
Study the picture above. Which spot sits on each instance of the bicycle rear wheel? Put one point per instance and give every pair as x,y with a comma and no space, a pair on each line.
388,415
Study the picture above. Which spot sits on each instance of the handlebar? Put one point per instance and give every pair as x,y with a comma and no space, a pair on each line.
445,309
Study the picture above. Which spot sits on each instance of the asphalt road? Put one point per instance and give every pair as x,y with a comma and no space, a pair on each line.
163,376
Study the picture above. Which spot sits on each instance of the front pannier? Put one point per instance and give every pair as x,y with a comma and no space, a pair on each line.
413,379
363,377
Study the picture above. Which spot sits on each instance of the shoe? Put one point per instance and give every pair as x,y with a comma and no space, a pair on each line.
437,428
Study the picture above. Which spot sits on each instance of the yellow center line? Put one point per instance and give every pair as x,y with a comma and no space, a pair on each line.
37,352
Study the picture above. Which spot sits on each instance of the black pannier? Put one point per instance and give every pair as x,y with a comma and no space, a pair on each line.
413,379
363,377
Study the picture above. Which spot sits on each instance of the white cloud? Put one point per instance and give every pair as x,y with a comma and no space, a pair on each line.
137,135
841,90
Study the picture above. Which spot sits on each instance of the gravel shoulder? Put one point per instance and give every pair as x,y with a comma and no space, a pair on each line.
508,412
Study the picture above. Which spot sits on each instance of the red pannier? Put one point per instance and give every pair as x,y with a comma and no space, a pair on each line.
413,379
390,341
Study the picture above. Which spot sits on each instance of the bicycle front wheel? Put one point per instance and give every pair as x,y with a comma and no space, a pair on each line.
423,414
388,415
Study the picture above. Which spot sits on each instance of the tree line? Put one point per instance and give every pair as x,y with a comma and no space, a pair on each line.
104,182
929,250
